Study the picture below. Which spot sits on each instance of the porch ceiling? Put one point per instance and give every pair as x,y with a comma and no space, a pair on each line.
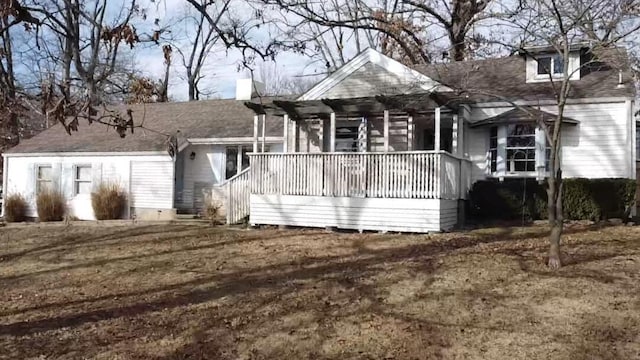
411,103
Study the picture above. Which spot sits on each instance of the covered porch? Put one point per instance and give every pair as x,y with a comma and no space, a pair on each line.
388,163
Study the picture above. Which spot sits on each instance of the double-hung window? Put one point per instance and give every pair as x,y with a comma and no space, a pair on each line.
44,178
521,148
82,179
552,64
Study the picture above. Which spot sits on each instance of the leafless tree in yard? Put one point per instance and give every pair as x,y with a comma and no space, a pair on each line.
199,39
411,31
279,82
561,24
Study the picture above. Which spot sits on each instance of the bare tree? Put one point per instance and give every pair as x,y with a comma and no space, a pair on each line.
560,24
278,82
201,37
411,31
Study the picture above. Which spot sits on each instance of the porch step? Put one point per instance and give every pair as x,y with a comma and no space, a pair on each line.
186,216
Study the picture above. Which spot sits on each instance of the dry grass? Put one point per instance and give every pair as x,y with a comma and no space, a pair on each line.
109,201
51,205
15,208
176,292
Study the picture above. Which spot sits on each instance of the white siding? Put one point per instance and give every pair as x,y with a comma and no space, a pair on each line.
116,168
207,167
410,215
598,147
152,184
371,80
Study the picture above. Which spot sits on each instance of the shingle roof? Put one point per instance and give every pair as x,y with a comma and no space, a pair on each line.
506,78
519,115
195,119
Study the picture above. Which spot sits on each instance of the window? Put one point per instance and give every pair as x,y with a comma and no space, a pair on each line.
82,179
233,159
44,178
347,137
493,148
550,63
521,148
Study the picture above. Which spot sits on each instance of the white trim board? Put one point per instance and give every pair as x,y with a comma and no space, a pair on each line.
66,153
370,56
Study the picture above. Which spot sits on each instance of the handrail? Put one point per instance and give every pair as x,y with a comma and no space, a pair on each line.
233,177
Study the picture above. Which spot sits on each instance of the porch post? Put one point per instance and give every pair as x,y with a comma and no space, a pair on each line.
410,133
332,132
386,131
285,138
264,128
255,133
454,135
436,142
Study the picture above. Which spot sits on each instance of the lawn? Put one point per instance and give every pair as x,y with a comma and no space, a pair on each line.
189,292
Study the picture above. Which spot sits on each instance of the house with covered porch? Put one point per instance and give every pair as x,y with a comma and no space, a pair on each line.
381,146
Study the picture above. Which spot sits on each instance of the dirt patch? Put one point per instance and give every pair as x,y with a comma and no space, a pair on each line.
176,292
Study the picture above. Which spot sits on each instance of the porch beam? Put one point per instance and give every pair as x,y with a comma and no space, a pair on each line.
332,132
436,130
255,133
386,131
285,139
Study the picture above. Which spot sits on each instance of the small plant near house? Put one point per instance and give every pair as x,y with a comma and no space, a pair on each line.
15,208
108,201
212,208
51,205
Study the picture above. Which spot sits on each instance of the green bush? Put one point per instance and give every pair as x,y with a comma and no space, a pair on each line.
15,208
583,199
51,205
108,201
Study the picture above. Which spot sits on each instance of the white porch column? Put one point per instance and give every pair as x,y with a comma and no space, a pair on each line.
255,133
436,130
386,131
264,130
285,138
332,132
454,135
410,133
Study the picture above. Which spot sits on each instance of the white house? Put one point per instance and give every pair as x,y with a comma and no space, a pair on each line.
381,146
213,139
374,146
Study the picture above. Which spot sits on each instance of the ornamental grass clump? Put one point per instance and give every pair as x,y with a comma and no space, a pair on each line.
51,205
108,201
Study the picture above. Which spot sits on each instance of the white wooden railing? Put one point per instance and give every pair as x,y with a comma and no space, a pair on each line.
424,174
237,189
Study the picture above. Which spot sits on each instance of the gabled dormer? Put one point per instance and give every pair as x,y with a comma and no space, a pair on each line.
544,63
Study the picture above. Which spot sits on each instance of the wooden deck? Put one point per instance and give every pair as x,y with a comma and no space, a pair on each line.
399,191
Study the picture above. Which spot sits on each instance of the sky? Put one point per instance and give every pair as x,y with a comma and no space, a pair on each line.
221,71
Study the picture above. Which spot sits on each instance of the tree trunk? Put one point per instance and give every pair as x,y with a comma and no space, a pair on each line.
554,198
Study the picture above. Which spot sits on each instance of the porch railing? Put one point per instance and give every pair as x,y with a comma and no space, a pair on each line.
421,175
236,192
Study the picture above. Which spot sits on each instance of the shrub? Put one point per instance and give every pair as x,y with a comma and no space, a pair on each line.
108,201
15,208
51,205
212,208
583,199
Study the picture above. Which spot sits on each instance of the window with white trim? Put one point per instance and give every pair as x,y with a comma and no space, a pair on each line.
551,64
523,150
44,178
82,179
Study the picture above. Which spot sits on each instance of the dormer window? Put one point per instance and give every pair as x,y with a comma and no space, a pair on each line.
551,63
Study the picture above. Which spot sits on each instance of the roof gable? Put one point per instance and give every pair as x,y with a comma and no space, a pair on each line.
368,74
